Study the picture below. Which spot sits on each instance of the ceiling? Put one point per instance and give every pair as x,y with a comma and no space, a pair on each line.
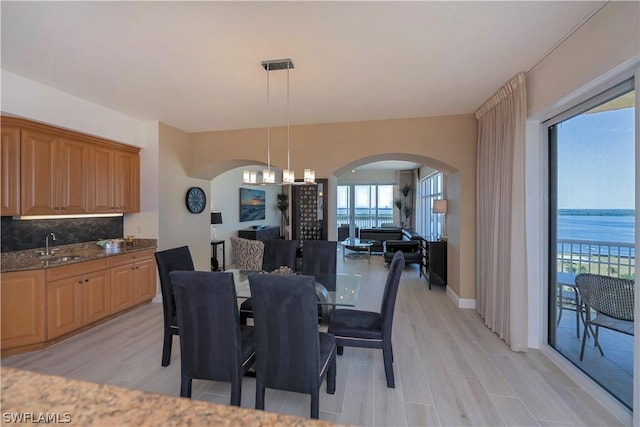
196,65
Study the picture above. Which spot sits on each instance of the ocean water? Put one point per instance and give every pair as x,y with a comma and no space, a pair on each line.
612,227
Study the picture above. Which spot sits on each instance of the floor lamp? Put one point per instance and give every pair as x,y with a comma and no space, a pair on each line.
440,207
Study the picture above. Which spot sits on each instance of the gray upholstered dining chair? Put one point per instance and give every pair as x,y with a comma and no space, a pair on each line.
612,300
291,353
170,260
213,344
277,253
356,328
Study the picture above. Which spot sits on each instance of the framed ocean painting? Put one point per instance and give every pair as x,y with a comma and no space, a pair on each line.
252,204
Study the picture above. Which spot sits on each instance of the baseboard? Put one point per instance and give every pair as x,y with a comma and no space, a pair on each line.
460,302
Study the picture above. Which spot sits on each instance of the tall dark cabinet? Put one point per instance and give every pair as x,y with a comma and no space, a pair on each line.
434,262
309,211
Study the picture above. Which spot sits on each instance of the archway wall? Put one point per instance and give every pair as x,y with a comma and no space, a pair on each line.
447,143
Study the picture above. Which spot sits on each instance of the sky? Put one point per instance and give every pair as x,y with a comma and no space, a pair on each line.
596,161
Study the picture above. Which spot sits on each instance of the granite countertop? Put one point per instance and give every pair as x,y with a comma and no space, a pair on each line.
31,259
33,395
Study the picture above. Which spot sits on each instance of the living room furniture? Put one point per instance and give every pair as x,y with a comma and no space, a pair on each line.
411,249
291,353
260,232
380,235
204,301
170,260
247,254
343,232
356,328
356,245
309,211
214,259
435,262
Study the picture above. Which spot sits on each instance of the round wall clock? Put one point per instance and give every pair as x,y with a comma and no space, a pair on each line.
196,200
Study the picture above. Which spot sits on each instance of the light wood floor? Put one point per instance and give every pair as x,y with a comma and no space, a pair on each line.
450,370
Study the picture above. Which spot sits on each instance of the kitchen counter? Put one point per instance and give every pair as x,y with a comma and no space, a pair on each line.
34,395
66,254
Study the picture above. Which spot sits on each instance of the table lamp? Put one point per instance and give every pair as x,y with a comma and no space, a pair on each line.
216,218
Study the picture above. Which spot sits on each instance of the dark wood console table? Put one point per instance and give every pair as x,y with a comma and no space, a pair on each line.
434,262
262,233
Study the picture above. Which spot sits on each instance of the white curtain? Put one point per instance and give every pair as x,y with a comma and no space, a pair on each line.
501,295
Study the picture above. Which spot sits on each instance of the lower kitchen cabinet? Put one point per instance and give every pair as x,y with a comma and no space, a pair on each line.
79,300
23,308
133,279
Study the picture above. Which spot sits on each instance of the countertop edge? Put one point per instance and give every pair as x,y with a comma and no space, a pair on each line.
26,393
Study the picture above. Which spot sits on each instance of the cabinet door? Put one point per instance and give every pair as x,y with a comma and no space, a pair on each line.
144,284
37,173
127,181
73,176
10,173
102,172
64,306
121,287
96,296
22,308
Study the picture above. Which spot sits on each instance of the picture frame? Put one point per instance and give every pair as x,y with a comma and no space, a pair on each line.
252,204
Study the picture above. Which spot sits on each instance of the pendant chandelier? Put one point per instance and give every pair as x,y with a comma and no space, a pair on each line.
268,175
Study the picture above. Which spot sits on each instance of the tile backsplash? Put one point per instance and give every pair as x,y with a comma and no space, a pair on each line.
18,235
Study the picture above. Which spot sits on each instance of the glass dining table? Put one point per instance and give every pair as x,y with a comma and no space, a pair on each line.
332,289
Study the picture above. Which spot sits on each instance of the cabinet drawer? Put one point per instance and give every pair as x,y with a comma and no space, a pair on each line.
131,257
77,269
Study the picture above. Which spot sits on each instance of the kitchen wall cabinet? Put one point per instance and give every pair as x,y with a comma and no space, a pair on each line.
54,174
23,308
10,173
115,180
64,172
77,295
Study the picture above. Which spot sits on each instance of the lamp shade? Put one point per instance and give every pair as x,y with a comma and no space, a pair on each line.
440,206
216,217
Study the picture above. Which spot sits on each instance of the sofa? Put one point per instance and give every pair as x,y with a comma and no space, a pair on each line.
411,249
380,235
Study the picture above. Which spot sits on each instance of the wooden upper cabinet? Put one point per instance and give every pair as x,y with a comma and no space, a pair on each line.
115,180
10,171
48,171
54,174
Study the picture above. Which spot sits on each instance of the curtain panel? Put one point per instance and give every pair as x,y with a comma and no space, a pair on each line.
501,297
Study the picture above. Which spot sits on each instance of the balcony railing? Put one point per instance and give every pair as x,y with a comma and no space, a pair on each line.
366,221
605,258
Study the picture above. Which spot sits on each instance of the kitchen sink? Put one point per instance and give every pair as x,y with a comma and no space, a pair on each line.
56,258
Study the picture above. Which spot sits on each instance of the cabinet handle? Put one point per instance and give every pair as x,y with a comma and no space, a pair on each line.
86,280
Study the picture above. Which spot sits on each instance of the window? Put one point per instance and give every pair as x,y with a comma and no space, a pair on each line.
429,224
592,229
372,204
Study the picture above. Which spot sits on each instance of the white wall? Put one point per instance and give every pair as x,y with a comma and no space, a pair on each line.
29,99
225,198
368,177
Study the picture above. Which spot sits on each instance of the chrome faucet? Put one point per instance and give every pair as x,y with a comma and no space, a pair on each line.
46,244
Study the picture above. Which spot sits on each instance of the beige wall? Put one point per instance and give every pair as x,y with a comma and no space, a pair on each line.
447,143
178,226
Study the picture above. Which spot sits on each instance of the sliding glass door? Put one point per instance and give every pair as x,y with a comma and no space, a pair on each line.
592,230
369,205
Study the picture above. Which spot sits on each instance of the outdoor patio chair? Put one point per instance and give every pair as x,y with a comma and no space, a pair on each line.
612,300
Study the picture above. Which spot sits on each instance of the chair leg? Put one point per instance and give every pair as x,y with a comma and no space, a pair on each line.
185,387
596,343
259,396
339,350
584,340
315,404
387,355
243,319
166,347
331,376
236,390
